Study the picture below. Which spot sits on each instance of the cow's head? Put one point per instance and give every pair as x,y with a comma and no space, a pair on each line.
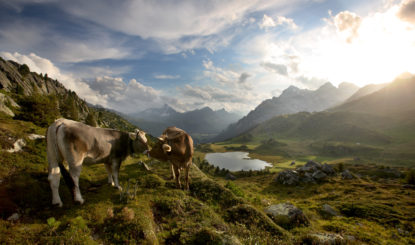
161,150
139,141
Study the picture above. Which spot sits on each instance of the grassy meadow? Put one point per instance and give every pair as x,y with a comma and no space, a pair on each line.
373,208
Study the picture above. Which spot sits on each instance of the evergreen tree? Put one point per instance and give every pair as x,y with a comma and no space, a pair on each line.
90,119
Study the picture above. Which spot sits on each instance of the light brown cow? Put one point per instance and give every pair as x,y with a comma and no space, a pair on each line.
78,143
175,146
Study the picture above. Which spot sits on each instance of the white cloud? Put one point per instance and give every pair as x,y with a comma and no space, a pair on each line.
164,76
361,49
127,98
268,22
238,100
347,24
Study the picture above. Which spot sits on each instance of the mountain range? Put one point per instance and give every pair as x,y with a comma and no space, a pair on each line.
292,100
202,124
381,123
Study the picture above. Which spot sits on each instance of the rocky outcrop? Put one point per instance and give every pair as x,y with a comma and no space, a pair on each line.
287,215
312,172
6,104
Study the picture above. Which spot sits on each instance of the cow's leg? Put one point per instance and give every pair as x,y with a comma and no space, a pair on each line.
54,171
109,171
187,177
75,172
115,167
54,179
173,176
177,173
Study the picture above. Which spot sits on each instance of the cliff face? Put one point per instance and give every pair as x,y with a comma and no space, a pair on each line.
19,86
17,79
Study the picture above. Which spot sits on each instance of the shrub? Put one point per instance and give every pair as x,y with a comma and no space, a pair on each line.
210,191
24,70
235,189
251,217
42,110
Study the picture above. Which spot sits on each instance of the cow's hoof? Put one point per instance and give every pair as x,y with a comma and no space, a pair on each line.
58,204
118,187
79,201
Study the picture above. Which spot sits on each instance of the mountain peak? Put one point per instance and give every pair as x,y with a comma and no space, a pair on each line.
347,85
327,85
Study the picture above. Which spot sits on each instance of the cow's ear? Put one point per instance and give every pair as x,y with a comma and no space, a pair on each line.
166,148
133,136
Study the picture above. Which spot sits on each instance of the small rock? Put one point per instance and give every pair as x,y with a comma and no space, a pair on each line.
17,146
319,175
328,238
328,211
13,217
347,175
286,215
35,136
230,176
288,177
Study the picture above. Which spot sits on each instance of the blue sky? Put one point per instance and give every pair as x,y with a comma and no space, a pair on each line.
131,55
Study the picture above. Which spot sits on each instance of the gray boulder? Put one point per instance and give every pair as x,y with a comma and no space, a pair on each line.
288,177
287,215
319,176
327,211
310,166
329,170
346,174
307,178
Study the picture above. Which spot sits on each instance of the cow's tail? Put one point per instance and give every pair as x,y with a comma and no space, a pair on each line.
189,148
55,157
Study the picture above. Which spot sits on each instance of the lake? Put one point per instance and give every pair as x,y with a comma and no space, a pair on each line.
235,161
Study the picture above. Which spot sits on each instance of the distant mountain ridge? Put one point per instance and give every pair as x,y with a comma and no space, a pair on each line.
292,100
201,123
381,123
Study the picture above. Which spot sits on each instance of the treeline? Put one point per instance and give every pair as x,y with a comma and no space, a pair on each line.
43,110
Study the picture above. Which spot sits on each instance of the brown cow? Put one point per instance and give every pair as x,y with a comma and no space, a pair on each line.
175,146
78,143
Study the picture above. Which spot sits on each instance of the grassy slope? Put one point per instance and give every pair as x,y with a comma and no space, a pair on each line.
159,213
380,125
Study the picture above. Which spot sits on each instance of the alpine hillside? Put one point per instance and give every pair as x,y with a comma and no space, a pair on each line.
292,100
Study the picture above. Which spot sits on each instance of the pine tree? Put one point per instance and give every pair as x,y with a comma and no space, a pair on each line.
90,119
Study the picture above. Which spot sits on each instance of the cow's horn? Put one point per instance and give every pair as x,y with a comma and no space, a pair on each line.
166,148
161,139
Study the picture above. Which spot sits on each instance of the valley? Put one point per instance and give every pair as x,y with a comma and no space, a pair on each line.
365,197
